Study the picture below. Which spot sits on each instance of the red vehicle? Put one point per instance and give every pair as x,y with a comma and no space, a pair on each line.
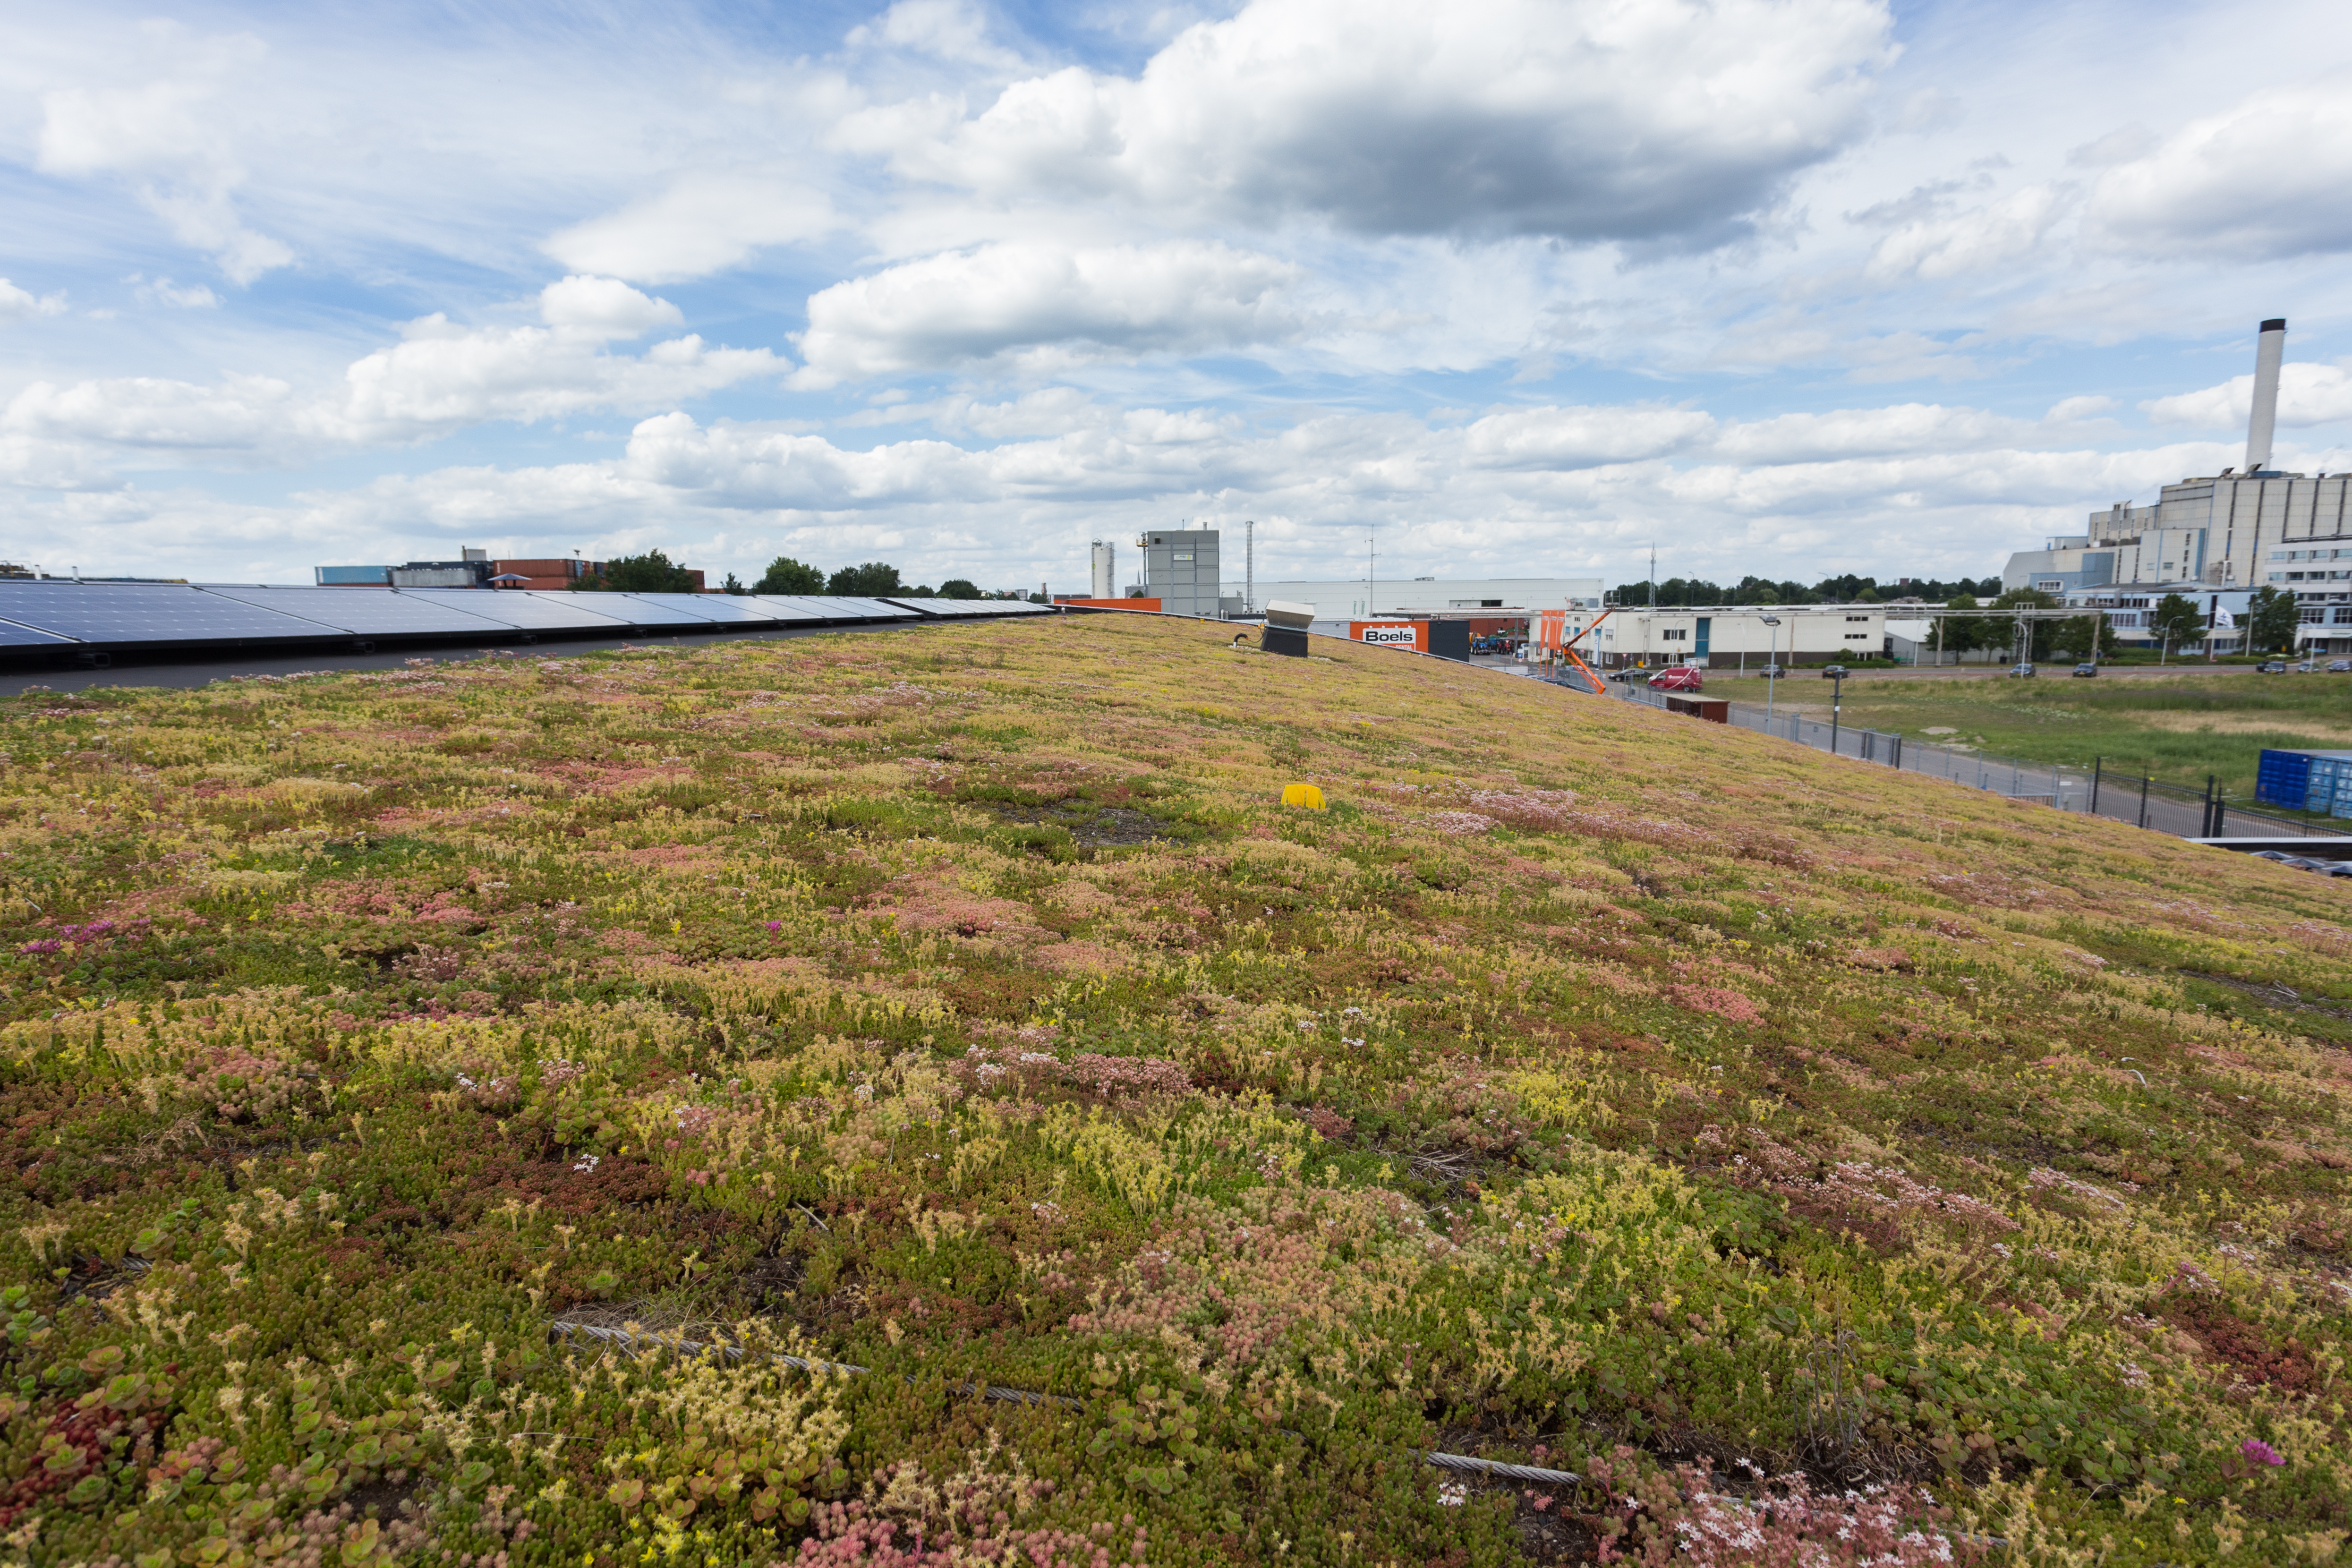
1677,678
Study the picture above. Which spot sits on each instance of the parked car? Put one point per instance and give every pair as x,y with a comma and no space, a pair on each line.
1833,672
2339,666
1678,678
2271,666
1772,672
2086,672
2308,667
2020,672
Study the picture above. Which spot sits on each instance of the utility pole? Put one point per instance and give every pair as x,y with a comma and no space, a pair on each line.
1249,567
1371,552
1650,621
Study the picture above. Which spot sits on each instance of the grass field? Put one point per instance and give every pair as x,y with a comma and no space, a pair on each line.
1819,1162
2177,728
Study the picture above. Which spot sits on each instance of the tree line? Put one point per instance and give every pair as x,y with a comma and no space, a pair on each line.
1676,593
655,572
2175,622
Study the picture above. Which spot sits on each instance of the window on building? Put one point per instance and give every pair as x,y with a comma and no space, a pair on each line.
1857,636
1861,618
2310,614
2342,617
1676,634
2048,584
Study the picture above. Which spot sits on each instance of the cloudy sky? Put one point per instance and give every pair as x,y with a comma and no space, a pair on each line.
1515,287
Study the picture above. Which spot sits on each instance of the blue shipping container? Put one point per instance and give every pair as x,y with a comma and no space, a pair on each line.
2283,778
2300,780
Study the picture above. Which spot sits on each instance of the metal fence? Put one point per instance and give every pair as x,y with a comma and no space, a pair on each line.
2141,801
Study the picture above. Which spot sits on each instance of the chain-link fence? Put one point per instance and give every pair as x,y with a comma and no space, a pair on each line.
2144,801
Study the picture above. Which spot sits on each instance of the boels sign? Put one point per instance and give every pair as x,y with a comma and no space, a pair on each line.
1413,635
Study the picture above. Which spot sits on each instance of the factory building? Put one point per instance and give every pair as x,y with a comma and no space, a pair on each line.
1180,570
2240,529
1735,639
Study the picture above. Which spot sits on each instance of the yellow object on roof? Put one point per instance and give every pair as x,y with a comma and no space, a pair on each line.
1306,795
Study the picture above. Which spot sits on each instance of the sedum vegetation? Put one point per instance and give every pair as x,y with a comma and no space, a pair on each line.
917,1097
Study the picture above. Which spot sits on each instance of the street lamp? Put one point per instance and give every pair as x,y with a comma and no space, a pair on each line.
1835,674
1772,668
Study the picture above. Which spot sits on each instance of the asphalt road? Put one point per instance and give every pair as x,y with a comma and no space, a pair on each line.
188,673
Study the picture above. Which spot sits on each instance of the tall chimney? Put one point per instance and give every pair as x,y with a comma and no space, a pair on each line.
2269,350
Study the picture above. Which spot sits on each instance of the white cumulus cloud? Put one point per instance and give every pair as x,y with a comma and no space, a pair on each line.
1972,241
439,377
170,137
2309,394
703,221
1000,300
22,304
1581,438
2266,177
1588,119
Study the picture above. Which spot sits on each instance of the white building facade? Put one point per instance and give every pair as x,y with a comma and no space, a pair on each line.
2238,529
1736,638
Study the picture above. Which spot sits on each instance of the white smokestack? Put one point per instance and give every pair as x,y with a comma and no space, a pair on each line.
2269,350
1104,583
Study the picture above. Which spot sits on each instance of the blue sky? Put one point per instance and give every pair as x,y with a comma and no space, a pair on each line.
1792,287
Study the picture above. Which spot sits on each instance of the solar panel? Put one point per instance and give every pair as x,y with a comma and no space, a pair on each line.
725,608
368,612
525,610
973,607
648,610
784,607
14,635
123,614
823,607
847,606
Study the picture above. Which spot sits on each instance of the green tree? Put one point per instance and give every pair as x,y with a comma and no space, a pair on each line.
734,584
652,573
2270,621
959,588
2072,638
864,582
786,575
2040,633
1966,633
2176,622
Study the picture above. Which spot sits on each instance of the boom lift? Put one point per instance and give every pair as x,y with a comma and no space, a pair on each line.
1590,684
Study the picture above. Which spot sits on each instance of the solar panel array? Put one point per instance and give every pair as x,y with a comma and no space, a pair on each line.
973,607
532,612
366,612
53,613
128,612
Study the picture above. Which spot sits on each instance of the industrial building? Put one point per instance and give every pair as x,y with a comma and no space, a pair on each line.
2240,529
1736,637
1180,570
